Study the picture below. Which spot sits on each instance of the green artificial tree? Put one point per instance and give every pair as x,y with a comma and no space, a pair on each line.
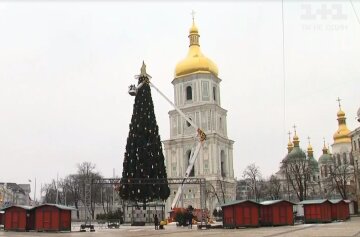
143,157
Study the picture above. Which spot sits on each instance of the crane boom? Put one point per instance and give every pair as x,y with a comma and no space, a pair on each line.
187,173
175,107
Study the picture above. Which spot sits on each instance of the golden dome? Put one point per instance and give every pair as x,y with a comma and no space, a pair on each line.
340,113
310,149
343,133
195,61
296,140
325,149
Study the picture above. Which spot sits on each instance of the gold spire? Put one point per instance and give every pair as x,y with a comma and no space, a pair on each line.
342,134
310,149
290,145
295,138
195,61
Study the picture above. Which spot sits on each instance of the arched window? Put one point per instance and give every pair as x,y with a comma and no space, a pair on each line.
188,155
326,171
214,93
222,163
187,123
188,93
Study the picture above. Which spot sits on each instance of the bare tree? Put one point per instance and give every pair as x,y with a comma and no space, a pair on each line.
50,192
86,172
252,176
71,189
297,173
274,188
340,177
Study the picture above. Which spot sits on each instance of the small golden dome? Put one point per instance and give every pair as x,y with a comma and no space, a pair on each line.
342,135
325,149
340,113
310,149
296,140
195,61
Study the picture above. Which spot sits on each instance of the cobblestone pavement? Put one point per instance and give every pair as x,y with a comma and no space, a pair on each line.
339,229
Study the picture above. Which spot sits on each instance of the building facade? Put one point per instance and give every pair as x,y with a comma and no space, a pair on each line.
355,142
14,194
197,94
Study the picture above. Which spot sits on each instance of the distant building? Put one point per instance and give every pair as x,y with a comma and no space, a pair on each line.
12,193
242,190
355,142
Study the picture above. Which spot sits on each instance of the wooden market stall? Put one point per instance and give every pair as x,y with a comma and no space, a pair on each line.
240,213
276,213
317,211
339,210
18,218
2,218
53,217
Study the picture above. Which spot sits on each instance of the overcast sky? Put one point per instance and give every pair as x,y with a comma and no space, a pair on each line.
65,69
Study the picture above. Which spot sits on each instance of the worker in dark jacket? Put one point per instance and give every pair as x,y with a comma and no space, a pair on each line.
190,218
156,222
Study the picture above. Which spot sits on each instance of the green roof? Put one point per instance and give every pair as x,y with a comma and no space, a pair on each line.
270,202
59,206
237,202
20,206
296,153
325,158
317,201
339,200
313,163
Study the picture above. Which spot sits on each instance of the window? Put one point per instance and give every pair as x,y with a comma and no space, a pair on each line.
187,123
214,93
188,93
354,145
338,159
344,158
222,164
351,159
326,171
205,90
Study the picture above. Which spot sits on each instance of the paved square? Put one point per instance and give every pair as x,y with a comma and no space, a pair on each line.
339,229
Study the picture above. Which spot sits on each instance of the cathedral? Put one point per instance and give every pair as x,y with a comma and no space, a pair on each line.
197,93
334,174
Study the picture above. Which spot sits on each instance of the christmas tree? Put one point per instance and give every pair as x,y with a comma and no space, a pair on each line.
143,157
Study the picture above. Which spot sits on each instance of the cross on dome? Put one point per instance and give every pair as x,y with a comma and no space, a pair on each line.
193,15
339,100
294,129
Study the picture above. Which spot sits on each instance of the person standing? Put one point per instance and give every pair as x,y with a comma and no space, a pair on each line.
190,217
156,222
